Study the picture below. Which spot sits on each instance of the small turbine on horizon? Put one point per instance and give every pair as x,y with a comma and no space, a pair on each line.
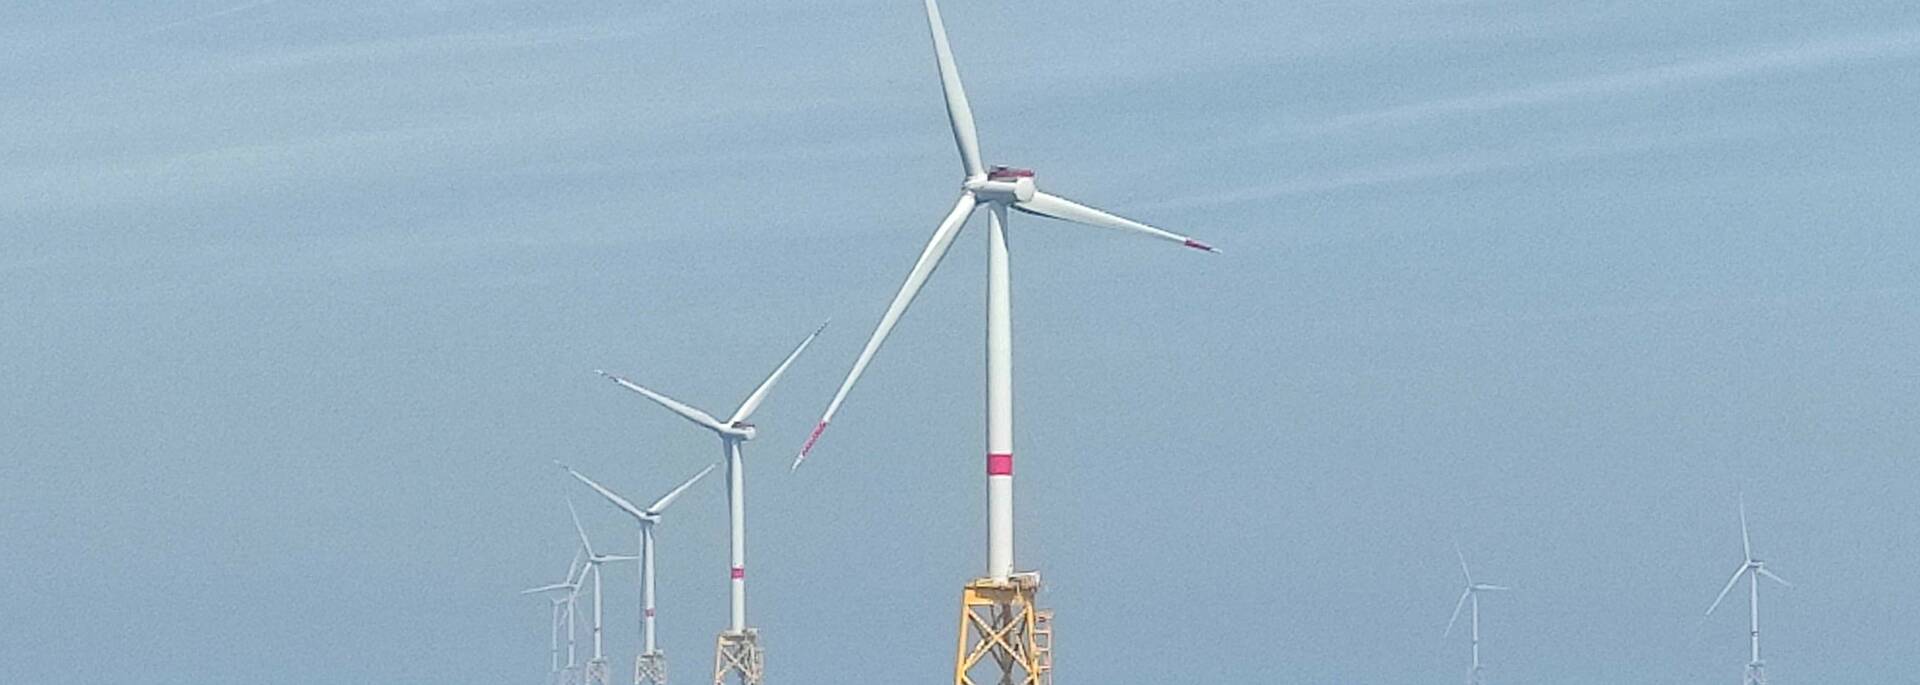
1471,595
650,667
563,605
597,666
1752,568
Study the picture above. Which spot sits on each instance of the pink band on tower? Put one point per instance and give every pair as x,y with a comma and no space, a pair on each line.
999,464
739,573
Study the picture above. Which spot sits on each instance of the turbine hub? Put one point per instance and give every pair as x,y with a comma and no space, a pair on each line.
743,430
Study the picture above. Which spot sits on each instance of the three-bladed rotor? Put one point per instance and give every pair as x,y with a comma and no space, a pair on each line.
593,559
571,584
1000,187
736,426
1748,565
649,515
1471,592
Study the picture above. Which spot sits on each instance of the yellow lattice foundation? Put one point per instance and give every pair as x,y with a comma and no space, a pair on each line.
1004,638
738,656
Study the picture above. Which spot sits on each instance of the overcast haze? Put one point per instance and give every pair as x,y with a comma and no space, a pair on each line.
298,301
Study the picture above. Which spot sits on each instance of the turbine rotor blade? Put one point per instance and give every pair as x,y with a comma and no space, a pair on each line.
616,499
929,260
615,557
1456,612
667,499
575,581
545,588
1763,571
1056,207
701,418
760,394
582,531
959,113
1727,589
1746,542
1463,564
1484,586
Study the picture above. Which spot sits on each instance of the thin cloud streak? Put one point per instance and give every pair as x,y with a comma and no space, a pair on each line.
169,26
1822,53
1451,167
409,48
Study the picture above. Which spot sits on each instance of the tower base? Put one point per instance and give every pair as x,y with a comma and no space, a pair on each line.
1005,639
1756,674
1474,676
650,669
738,655
597,672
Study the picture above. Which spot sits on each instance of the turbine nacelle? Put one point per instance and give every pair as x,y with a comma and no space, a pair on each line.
1003,184
740,430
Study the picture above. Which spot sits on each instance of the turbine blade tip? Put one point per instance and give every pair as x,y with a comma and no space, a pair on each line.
1195,244
808,447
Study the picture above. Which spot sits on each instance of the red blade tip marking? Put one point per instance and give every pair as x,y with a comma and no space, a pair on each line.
1195,244
813,438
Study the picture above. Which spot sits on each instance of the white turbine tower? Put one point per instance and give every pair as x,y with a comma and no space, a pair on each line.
1752,568
559,605
1471,596
999,188
737,649
650,667
597,666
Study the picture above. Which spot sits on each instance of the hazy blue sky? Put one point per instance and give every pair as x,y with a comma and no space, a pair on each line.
299,299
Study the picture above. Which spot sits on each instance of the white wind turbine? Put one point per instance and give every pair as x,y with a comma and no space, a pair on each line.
651,661
1471,596
737,639
1753,569
596,665
999,188
559,604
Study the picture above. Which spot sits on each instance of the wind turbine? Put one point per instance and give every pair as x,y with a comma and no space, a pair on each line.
597,666
558,605
999,189
1471,596
737,649
1753,569
650,667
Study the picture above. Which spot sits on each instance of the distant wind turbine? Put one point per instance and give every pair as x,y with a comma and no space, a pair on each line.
650,666
557,605
597,666
737,649
562,596
1752,568
1471,595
